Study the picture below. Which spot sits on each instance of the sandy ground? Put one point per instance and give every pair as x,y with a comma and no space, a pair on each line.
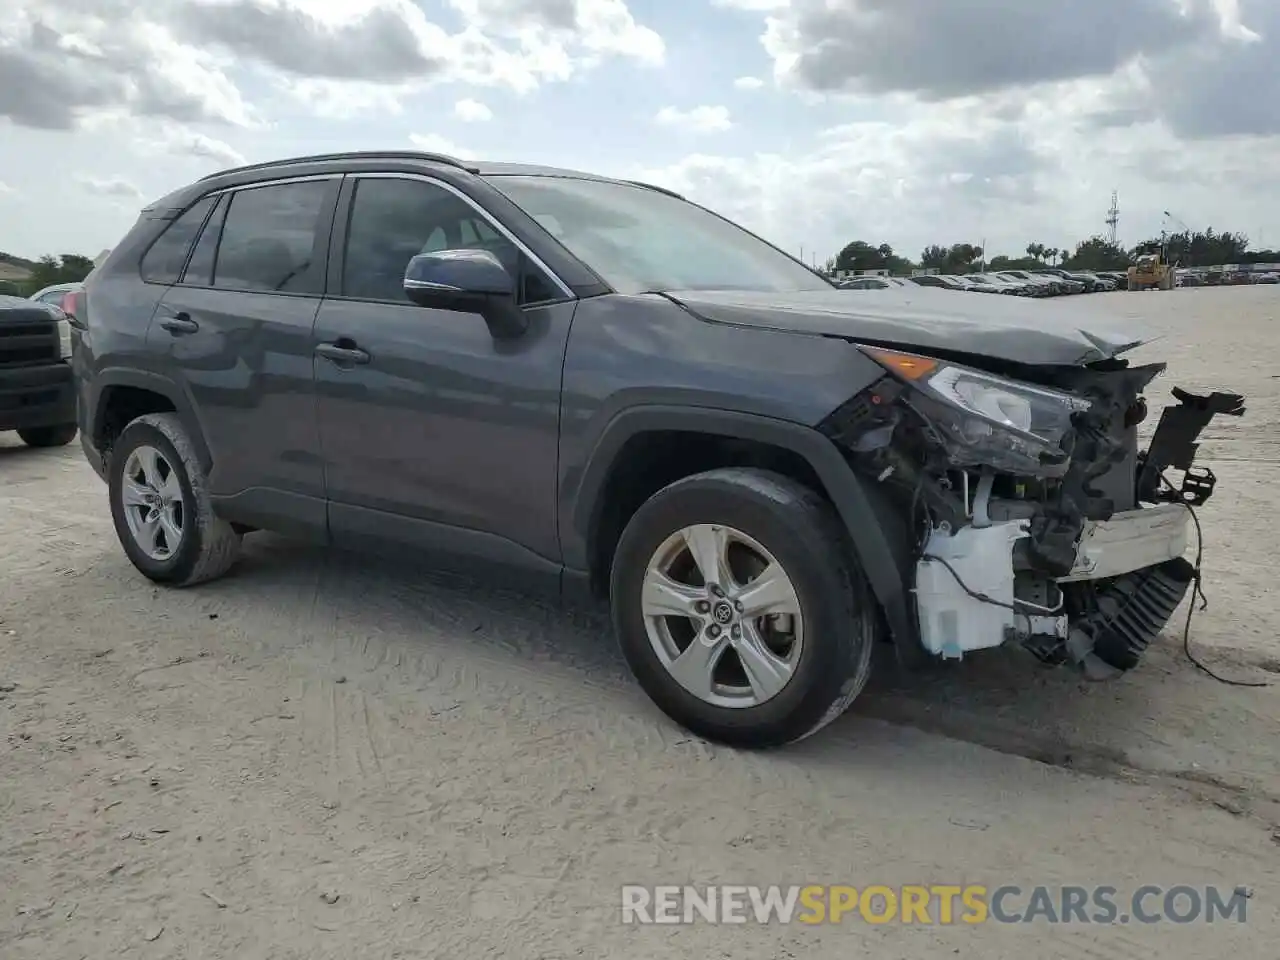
198,774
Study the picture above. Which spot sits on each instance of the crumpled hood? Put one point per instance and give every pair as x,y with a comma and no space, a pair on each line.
1006,328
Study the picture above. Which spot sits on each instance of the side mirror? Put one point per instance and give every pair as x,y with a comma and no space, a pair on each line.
468,281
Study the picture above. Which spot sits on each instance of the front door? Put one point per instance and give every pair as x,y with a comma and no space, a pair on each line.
434,435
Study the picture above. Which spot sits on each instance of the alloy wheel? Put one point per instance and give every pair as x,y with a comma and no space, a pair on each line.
722,615
153,502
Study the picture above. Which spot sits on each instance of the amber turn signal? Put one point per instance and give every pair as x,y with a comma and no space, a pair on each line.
907,365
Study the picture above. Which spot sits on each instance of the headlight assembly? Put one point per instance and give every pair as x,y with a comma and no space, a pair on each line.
64,339
984,420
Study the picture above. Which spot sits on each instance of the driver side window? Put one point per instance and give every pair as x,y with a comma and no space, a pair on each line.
393,220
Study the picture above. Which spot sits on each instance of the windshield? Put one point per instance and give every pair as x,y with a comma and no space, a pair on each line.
640,240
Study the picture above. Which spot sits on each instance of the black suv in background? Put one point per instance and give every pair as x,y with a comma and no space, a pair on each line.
37,398
604,388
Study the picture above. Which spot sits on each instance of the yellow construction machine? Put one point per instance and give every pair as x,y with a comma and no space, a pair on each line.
1150,272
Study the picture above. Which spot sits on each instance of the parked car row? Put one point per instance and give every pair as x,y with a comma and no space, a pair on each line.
1223,278
1048,282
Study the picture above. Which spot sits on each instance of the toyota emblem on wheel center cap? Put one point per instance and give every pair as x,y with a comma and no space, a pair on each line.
723,612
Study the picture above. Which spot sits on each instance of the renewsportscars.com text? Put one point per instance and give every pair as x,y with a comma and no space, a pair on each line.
934,904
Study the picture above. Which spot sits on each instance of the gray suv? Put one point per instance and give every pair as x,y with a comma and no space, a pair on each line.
598,387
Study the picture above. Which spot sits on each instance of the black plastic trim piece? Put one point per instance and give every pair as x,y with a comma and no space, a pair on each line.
853,502
154,383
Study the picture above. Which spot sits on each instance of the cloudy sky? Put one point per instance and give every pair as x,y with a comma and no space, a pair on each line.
814,122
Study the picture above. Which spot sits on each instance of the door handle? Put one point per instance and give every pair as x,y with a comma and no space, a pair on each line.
179,323
340,354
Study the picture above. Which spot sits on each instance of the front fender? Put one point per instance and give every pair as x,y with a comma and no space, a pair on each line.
878,545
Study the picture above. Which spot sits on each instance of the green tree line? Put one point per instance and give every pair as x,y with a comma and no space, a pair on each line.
1201,248
48,270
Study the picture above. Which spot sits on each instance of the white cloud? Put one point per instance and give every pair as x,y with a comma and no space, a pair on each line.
432,143
109,186
929,139
601,27
345,99
158,140
472,111
59,65
198,145
5,188
188,60
696,119
754,6
974,169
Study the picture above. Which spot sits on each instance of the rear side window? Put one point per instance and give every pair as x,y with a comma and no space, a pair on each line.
200,267
269,238
163,263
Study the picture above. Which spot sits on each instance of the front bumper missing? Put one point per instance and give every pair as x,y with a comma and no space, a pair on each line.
967,589
1128,576
1051,553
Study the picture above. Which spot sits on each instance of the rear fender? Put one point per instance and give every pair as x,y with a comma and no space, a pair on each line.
94,409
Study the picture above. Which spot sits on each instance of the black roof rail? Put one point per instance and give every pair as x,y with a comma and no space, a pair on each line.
650,186
352,155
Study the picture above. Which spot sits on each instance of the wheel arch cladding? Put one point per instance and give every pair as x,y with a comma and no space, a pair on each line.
125,395
880,547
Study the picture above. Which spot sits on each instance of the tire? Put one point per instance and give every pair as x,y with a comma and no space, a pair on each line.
58,436
806,539
207,546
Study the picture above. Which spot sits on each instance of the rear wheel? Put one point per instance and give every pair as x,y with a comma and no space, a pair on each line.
740,608
58,436
161,508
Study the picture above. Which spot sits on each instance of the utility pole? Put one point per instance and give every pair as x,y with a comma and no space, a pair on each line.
1113,218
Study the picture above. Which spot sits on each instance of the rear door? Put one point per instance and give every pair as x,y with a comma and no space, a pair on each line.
237,329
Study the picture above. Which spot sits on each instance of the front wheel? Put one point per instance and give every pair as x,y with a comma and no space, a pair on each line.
58,436
740,607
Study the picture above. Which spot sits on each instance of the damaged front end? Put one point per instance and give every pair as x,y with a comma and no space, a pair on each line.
1036,518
